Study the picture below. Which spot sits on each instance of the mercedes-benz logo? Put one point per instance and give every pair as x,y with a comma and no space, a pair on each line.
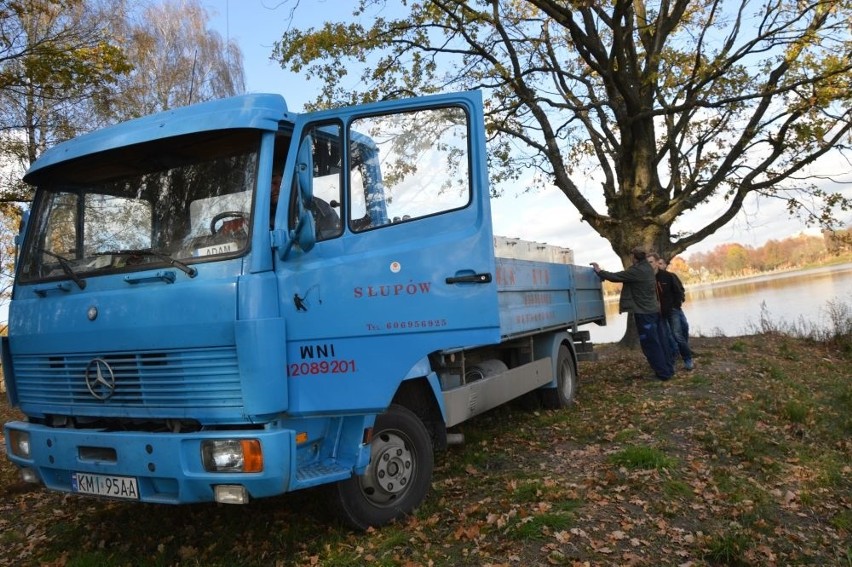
100,379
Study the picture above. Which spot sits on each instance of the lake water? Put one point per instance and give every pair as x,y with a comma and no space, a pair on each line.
734,308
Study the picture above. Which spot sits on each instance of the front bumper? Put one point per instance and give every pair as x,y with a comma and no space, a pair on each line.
167,466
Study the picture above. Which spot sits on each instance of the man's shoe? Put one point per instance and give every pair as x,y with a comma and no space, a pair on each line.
689,364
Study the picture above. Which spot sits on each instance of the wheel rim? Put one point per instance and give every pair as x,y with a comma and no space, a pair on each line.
567,375
392,466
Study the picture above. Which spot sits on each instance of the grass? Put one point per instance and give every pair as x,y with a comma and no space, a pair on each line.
539,527
639,457
834,330
744,461
728,548
795,411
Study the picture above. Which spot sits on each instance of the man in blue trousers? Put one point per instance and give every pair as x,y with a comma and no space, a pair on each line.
672,295
639,297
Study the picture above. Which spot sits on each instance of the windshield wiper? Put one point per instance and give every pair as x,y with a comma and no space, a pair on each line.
66,267
188,270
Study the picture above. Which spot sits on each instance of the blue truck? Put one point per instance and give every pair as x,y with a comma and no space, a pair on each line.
184,329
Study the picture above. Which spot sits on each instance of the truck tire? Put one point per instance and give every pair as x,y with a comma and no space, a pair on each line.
398,477
566,382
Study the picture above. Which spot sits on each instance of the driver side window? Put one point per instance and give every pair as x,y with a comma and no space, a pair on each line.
407,166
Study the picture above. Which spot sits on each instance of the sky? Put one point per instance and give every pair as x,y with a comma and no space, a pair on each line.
544,216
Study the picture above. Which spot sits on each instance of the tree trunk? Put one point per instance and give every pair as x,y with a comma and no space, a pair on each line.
631,336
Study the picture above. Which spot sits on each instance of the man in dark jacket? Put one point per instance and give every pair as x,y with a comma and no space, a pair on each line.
672,296
639,296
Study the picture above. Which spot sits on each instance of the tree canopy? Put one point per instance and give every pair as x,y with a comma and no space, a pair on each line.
677,110
54,55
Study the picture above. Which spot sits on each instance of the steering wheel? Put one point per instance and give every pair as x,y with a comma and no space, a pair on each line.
225,215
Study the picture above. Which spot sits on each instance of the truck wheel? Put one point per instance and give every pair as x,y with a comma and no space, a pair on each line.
566,382
398,477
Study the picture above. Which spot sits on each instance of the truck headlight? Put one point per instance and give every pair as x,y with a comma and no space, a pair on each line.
232,455
19,443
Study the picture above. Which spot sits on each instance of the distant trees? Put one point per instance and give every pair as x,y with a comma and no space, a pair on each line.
69,66
733,260
838,241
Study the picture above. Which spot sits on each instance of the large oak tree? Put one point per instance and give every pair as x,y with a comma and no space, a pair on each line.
644,114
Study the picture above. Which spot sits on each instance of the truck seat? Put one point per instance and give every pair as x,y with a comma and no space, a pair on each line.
326,219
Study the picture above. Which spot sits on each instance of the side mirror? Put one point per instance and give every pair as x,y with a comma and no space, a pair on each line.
305,169
306,235
22,227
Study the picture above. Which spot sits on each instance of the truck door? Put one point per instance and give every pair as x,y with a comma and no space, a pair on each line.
402,263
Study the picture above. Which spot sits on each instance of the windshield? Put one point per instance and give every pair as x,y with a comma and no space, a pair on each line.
170,202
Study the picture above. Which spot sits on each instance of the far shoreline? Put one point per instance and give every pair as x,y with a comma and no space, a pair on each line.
776,274
845,265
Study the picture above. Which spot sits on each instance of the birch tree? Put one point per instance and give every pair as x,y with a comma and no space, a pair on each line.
177,60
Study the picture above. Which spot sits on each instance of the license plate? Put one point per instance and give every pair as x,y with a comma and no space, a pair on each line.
224,248
105,485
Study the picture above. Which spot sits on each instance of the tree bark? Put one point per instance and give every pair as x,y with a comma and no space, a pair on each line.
631,336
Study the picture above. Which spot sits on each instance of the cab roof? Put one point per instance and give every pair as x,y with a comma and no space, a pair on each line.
255,111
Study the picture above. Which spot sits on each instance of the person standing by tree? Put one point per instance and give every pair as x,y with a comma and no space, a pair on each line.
672,295
639,297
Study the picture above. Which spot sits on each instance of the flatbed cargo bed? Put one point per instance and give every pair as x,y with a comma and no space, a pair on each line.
538,289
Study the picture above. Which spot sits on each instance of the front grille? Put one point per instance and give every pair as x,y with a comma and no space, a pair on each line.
197,378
